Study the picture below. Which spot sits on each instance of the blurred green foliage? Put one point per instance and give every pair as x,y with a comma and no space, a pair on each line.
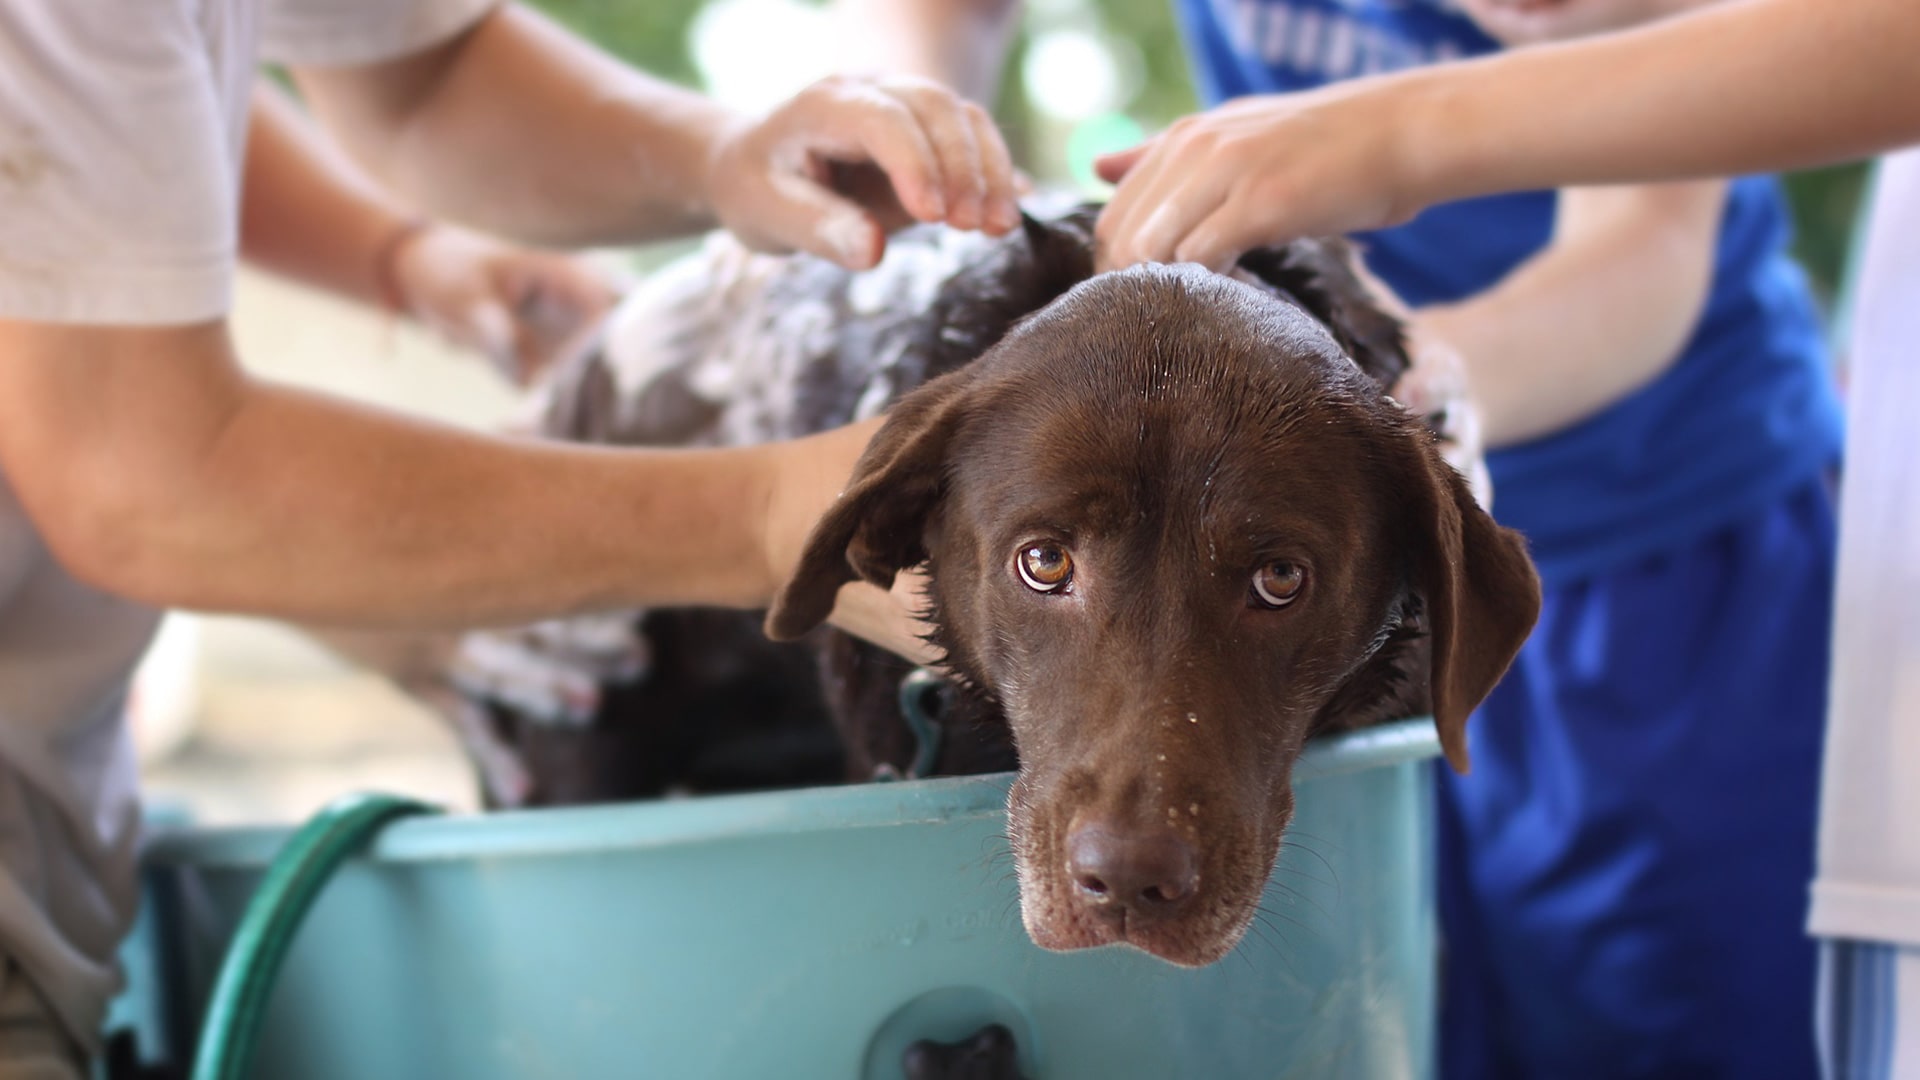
1166,91
1826,206
653,35
649,34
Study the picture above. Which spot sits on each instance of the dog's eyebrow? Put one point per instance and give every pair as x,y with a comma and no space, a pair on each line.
1104,507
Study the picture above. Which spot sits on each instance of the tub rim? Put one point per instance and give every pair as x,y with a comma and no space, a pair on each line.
662,823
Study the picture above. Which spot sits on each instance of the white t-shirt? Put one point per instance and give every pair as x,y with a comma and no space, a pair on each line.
122,135
1868,885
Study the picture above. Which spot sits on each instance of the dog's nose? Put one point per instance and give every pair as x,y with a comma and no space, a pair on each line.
1147,871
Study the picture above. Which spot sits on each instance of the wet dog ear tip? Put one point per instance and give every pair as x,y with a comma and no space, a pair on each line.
784,623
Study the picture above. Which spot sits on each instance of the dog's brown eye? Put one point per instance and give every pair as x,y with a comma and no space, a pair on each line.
1278,584
1045,567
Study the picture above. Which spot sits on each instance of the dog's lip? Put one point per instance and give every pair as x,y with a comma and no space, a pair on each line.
1100,933
1077,934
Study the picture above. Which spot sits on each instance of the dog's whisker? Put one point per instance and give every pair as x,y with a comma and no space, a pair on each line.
1294,894
1240,952
1279,917
1009,913
1296,833
1273,938
1260,932
1303,872
1293,841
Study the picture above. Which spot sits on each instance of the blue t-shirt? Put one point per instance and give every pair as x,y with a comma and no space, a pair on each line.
1747,413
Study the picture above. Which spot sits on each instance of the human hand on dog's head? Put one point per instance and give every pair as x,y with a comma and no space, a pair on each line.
1366,154
848,160
1262,170
1530,22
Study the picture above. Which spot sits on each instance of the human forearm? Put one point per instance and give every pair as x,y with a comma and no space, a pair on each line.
302,513
306,212
1753,86
584,150
156,470
957,43
309,214
1603,310
521,128
1747,86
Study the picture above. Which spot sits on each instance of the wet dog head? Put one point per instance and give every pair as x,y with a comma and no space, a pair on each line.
1170,525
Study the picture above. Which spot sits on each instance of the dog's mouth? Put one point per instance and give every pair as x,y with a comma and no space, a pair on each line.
1184,895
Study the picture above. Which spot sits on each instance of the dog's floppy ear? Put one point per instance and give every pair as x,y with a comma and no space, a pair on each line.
875,530
1480,592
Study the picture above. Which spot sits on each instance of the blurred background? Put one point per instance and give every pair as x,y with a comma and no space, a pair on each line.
242,720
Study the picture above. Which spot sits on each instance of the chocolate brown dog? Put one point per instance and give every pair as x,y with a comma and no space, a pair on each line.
1173,527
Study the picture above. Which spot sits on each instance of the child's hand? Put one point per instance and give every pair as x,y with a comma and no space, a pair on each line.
1260,170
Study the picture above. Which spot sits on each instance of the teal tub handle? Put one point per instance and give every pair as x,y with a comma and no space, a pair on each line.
301,869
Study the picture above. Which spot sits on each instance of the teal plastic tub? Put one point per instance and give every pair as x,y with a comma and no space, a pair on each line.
810,933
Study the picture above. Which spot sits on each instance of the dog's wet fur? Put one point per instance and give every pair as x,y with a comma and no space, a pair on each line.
1176,433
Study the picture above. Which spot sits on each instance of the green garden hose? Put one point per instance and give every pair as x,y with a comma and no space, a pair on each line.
273,916
924,694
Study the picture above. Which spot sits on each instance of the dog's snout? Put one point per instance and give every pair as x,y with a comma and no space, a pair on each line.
1147,872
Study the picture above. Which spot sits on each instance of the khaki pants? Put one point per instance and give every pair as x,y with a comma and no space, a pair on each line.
33,1046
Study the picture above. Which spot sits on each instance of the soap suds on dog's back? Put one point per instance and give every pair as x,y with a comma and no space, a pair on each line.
721,348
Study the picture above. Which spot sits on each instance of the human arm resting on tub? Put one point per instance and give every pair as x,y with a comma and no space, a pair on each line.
518,127
1739,87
